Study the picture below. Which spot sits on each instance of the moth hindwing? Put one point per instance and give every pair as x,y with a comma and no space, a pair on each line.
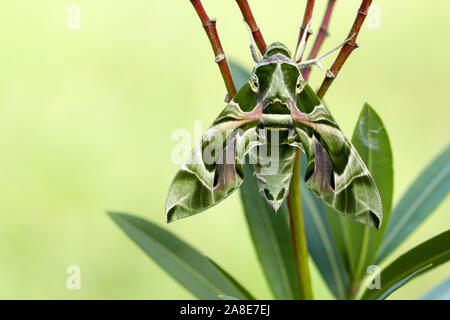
275,112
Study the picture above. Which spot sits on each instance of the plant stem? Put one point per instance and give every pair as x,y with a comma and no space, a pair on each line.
250,20
295,207
347,49
298,233
210,28
323,33
306,18
354,285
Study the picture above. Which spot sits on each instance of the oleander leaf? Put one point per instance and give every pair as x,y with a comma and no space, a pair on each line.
439,292
240,74
197,273
235,283
321,242
419,201
360,243
423,258
222,297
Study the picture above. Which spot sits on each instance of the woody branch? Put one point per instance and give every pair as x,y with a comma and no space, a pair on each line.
347,49
323,33
306,18
210,28
250,20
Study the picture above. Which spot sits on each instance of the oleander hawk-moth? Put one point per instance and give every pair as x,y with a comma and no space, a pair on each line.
274,113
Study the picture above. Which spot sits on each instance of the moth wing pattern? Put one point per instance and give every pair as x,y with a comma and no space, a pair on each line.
335,171
213,169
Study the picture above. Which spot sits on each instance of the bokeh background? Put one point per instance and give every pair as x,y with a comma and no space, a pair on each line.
86,118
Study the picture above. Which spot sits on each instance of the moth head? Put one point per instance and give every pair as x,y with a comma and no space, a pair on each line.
277,82
276,79
277,47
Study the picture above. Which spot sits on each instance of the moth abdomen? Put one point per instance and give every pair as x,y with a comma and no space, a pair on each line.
273,170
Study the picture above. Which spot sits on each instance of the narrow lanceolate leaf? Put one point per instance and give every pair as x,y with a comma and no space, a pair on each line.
439,292
321,243
235,283
228,298
272,239
240,75
359,243
419,201
416,261
193,270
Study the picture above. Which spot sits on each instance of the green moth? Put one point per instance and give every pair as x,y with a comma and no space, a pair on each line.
274,113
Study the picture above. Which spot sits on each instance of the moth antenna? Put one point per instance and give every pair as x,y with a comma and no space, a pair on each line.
300,50
317,61
256,54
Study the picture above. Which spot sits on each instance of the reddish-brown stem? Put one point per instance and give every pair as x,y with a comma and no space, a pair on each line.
323,33
250,20
346,49
210,28
306,18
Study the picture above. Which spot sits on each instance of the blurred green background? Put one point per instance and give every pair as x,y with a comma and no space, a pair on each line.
86,118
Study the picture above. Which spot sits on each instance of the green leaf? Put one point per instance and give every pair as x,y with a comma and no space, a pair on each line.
235,283
416,261
198,274
419,201
359,243
371,139
272,239
439,292
222,297
239,74
321,243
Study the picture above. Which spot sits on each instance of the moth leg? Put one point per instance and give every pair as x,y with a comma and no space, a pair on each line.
300,50
256,54
317,61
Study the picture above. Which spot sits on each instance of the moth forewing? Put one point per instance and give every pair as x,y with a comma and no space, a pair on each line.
335,171
213,169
